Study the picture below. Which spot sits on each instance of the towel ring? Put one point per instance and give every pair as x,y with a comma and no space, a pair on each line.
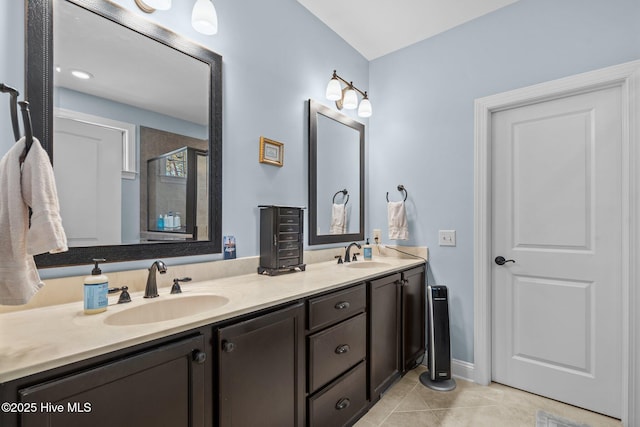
400,188
344,193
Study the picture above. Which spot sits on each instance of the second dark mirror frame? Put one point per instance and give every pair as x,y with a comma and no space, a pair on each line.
316,108
39,92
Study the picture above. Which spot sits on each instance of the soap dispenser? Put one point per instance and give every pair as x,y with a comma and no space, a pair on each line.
96,288
367,251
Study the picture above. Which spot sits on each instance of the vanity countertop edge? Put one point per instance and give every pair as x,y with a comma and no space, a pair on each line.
36,340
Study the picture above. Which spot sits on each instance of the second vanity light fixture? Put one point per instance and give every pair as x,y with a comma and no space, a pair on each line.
203,17
347,97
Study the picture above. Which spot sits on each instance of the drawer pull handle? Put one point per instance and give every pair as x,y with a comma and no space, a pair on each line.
343,403
228,347
342,305
199,356
342,349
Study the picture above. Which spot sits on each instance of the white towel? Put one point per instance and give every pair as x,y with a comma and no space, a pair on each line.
397,216
33,186
338,219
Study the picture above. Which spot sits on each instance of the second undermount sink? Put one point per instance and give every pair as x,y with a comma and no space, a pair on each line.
166,309
367,264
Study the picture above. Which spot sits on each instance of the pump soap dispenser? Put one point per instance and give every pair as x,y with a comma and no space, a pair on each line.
96,287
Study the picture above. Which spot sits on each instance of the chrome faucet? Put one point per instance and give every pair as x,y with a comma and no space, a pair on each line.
347,258
151,291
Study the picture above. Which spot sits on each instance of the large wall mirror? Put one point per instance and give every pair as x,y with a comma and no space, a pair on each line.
336,176
131,115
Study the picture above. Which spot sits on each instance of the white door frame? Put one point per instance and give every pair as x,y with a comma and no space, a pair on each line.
627,77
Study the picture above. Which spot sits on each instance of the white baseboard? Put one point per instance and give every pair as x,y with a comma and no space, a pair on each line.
463,370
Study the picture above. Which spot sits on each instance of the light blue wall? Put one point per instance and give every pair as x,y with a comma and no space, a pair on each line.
421,134
276,56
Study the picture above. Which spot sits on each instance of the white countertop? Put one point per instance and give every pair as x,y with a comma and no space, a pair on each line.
39,339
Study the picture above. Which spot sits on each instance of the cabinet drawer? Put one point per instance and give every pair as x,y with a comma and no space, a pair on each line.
289,228
288,253
288,237
290,220
288,262
340,402
289,245
289,211
329,309
335,350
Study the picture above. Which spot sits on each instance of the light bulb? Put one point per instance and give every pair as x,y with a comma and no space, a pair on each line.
204,17
334,91
364,110
350,100
158,4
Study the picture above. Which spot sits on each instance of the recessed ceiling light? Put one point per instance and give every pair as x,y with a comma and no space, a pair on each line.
81,74
58,69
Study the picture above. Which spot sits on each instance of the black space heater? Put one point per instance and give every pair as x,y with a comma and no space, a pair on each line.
438,377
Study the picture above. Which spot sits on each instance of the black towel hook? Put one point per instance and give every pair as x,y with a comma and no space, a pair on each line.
344,192
13,105
26,118
400,188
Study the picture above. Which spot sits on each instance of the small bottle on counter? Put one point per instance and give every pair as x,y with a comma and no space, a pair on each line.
96,288
176,221
368,253
160,223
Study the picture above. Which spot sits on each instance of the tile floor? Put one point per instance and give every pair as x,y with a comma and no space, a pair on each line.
408,403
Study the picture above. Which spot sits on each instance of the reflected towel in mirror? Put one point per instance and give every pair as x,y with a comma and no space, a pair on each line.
338,219
397,216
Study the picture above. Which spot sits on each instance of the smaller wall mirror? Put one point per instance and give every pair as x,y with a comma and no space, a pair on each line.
336,176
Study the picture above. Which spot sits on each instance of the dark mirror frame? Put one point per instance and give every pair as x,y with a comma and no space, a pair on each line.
39,92
316,108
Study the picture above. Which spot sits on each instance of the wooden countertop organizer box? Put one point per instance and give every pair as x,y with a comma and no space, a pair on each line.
281,239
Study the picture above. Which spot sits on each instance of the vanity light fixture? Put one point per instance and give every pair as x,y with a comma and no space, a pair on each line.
204,18
347,97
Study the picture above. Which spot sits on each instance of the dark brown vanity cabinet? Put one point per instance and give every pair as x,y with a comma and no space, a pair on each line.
337,349
413,317
396,327
384,333
261,370
163,386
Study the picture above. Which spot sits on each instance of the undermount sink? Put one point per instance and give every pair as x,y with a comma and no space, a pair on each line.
366,264
166,309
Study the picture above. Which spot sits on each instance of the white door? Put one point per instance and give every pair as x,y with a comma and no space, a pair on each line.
88,167
557,211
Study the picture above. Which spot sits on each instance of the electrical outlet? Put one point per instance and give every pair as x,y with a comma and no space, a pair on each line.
377,234
447,237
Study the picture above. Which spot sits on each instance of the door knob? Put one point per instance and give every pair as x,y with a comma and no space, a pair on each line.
501,261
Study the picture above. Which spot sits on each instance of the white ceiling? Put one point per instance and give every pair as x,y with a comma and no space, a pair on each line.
378,27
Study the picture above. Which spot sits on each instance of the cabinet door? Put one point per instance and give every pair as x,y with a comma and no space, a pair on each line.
160,387
384,333
413,317
262,370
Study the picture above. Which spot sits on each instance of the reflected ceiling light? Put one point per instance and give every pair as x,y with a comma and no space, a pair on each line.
204,17
83,75
347,98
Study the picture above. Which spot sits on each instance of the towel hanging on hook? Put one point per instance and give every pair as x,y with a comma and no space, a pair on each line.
26,118
402,189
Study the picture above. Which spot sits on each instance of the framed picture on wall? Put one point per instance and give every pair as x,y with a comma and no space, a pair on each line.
271,152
